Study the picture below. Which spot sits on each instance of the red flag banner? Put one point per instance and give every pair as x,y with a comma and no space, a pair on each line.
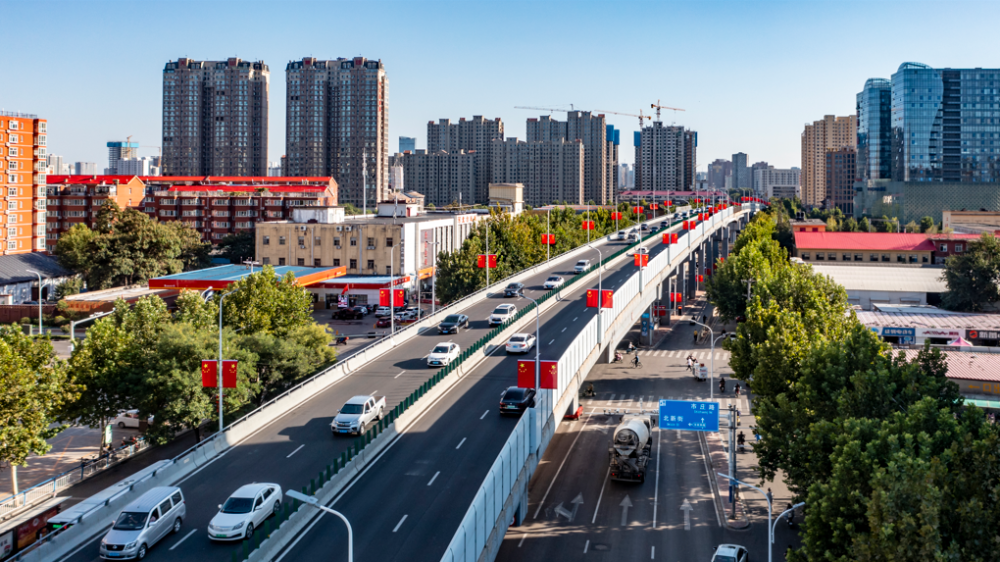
637,210
673,238
666,238
607,298
669,203
701,278
588,225
641,260
229,368
549,375
549,239
209,373
685,225
484,260
654,206
616,216
525,373
592,298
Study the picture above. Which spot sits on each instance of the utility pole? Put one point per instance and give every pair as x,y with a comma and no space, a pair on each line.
732,453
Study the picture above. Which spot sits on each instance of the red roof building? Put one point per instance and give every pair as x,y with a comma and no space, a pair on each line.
868,247
950,244
215,206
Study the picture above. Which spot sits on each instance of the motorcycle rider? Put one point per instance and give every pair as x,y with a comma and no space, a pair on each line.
618,356
722,384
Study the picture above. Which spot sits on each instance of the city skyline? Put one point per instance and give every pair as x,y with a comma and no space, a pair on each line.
827,79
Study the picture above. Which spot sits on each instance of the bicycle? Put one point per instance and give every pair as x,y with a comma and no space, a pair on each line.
636,363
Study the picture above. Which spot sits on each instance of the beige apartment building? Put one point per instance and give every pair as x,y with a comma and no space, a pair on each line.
600,161
550,171
829,133
474,136
215,118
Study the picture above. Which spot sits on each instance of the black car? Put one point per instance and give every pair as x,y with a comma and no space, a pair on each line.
663,224
513,289
452,323
516,400
654,230
644,226
350,313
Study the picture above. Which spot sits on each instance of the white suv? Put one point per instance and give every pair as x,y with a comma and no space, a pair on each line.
730,553
581,266
501,314
244,511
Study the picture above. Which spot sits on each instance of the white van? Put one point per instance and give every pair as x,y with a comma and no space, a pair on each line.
142,523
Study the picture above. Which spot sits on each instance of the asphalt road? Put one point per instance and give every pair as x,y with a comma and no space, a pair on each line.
575,466
293,449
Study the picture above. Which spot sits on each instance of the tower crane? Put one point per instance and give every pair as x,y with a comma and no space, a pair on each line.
640,116
658,107
549,109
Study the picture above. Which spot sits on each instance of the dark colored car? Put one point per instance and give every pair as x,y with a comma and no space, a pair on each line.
654,229
513,289
350,313
516,400
644,226
452,323
383,322
664,224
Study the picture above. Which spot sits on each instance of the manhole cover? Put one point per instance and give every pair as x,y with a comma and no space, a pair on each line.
601,547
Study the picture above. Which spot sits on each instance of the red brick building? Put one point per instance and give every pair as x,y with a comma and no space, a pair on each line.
950,244
215,206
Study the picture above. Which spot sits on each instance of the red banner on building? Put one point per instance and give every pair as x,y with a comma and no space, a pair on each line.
549,239
588,225
701,278
641,260
209,370
482,261
549,375
525,373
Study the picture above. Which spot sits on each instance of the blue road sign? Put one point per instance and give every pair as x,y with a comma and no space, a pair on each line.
689,415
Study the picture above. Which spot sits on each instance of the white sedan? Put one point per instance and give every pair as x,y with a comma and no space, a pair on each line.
554,282
129,418
442,354
245,511
520,343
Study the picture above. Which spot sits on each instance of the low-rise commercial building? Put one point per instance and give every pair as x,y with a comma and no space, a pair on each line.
971,222
869,285
915,325
884,248
809,225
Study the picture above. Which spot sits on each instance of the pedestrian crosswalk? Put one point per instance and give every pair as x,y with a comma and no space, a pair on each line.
651,402
682,354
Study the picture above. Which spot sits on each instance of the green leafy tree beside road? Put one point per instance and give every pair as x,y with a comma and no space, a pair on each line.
973,277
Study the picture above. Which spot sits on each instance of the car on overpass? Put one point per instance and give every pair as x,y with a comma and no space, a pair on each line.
501,314
520,343
442,354
245,511
357,413
554,282
730,553
581,266
516,400
453,323
513,289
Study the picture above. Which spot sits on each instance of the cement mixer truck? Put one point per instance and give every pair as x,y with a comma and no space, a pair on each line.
630,447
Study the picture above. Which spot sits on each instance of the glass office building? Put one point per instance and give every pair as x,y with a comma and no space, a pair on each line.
945,124
874,105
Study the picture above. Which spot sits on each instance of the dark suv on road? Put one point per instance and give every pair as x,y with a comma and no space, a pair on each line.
513,289
350,313
452,323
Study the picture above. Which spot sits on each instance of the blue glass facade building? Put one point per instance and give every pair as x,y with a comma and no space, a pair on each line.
874,105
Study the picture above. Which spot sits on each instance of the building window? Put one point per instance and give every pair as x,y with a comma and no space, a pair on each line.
371,264
267,261
388,270
886,258
354,264
859,257
281,261
958,248
354,241
316,240
943,248
388,242
846,257
336,240
281,240
805,256
924,258
820,256
872,257
336,262
302,240
317,263
267,240
301,262
832,256
914,258
900,258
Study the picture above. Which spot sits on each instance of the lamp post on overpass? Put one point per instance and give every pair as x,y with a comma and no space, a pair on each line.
218,365
311,500
600,282
538,341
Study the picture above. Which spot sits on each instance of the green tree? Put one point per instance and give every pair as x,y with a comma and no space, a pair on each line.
73,250
912,227
831,224
850,225
864,225
238,247
262,302
973,277
71,286
926,223
35,386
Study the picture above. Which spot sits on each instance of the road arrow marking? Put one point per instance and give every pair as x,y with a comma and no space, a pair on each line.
577,501
560,510
626,503
686,508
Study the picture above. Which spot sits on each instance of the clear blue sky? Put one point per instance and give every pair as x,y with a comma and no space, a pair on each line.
749,73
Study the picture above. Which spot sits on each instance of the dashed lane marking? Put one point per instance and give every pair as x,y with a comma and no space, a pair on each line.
400,524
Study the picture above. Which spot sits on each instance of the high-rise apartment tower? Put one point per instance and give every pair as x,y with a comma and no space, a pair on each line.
120,150
215,118
475,136
591,130
337,124
830,133
665,158
23,145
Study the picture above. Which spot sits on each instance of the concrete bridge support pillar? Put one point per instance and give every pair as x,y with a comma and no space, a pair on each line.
725,242
696,259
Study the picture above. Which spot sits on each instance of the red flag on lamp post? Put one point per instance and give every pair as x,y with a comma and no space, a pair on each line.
549,239
525,373
396,299
616,216
588,225
592,296
484,261
654,206
637,210
641,260
209,373
549,375
607,298
701,278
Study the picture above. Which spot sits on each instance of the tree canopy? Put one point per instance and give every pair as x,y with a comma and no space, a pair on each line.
127,247
238,247
973,276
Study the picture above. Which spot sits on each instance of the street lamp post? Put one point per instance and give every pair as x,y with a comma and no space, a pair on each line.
600,281
39,299
548,232
72,327
218,380
770,527
538,341
392,291
434,275
711,359
311,500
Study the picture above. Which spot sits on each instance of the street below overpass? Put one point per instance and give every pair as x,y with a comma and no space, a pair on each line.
460,438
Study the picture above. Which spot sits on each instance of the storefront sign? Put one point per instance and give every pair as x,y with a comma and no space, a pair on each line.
898,332
938,333
982,334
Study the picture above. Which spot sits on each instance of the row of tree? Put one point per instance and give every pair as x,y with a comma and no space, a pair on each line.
517,243
890,463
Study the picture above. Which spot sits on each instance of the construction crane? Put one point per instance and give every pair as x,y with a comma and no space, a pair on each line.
549,109
658,107
640,116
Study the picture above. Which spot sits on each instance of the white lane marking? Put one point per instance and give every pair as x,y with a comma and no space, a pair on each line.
178,543
564,329
295,451
586,546
433,478
558,470
372,393
552,342
652,554
460,443
400,524
656,487
574,319
519,543
598,507
484,414
399,375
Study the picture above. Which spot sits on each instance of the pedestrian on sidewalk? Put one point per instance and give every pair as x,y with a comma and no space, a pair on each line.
696,336
770,497
690,361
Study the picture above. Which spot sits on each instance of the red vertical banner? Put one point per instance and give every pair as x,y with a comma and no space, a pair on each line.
229,368
666,237
654,206
525,373
549,375
209,374
686,225
484,261
549,239
669,203
616,216
588,225
701,278
400,297
637,210
641,260
592,298
607,298
673,238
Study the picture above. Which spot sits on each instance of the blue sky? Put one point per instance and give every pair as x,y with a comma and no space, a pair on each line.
749,74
